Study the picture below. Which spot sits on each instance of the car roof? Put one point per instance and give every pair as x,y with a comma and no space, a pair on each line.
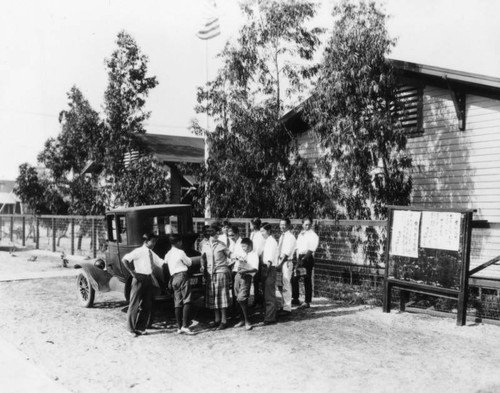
147,207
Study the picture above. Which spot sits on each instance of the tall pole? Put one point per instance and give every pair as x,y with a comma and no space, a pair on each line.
207,199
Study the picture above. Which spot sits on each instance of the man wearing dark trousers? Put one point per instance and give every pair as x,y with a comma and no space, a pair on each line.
307,243
258,242
139,262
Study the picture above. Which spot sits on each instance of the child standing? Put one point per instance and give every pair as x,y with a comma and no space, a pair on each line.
246,266
178,263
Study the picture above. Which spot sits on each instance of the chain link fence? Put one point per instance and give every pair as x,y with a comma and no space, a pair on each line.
349,261
74,235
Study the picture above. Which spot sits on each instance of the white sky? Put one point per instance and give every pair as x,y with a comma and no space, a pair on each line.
49,46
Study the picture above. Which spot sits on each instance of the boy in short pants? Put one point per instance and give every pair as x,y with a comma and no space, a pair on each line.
246,266
178,263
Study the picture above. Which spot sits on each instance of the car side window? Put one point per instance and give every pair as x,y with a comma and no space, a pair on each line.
122,229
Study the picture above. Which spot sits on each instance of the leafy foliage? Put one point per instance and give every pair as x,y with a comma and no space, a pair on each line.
124,101
354,109
144,182
249,170
84,137
39,193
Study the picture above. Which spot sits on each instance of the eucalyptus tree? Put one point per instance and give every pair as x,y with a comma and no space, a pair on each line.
263,72
354,110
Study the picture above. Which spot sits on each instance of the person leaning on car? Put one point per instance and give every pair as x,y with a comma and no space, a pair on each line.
139,262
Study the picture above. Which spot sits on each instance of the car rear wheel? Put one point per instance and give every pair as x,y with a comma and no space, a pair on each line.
85,292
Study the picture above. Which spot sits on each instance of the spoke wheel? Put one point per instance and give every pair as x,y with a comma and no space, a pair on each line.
85,292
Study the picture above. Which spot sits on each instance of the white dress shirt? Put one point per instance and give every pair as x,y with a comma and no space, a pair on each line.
252,259
177,261
258,242
287,245
142,258
236,253
270,252
307,241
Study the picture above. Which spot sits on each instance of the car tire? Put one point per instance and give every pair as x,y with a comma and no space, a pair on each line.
85,292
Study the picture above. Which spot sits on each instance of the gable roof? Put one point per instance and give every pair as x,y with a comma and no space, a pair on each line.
170,148
438,76
469,82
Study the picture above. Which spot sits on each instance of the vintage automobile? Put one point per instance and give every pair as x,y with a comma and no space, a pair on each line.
125,227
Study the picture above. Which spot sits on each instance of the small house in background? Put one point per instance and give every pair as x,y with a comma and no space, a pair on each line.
9,202
453,123
171,151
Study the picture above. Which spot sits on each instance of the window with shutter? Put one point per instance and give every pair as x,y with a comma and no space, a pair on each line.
410,108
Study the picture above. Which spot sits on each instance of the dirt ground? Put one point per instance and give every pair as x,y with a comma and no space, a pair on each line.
327,348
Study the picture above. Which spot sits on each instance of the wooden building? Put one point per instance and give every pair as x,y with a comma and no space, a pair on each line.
454,140
9,202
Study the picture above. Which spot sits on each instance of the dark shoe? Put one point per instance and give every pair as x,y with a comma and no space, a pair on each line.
296,302
284,313
222,326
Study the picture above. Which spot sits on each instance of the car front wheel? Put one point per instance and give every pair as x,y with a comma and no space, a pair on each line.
85,292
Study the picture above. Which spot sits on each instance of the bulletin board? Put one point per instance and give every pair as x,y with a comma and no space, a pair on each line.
428,251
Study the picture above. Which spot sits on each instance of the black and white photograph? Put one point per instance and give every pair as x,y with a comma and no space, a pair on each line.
250,196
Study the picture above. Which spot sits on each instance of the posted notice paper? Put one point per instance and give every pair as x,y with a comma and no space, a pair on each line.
440,230
405,233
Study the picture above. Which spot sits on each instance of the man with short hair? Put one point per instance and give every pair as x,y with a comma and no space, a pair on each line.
258,242
286,248
307,243
140,262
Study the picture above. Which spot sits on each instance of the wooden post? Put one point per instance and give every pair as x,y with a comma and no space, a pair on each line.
11,228
24,231
72,236
386,305
387,287
94,248
37,233
53,234
404,296
464,277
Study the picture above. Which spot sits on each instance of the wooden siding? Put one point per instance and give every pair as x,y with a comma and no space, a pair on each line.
309,148
461,169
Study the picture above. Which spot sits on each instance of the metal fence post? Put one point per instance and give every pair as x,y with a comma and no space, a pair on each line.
94,248
53,234
11,228
72,236
24,231
37,233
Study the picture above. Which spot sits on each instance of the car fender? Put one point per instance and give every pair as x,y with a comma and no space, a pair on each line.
99,279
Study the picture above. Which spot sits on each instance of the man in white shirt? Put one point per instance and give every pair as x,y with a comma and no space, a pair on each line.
269,264
307,243
178,263
258,242
286,248
236,252
139,262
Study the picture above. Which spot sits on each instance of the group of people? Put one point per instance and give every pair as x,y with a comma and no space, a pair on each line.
231,265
